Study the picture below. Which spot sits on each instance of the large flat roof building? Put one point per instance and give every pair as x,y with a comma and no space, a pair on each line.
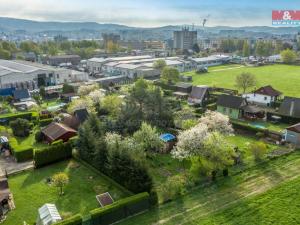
29,75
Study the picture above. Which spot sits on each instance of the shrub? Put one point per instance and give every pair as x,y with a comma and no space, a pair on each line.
38,136
74,220
45,122
24,154
20,127
120,209
258,150
58,142
172,188
54,153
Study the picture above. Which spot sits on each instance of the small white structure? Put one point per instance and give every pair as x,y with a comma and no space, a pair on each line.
48,215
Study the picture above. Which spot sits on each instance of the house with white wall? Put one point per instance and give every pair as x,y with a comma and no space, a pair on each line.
266,96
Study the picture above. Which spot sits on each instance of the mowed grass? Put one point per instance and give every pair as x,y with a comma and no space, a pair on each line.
31,191
211,203
277,206
285,78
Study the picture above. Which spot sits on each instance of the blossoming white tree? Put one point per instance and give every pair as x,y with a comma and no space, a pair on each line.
216,121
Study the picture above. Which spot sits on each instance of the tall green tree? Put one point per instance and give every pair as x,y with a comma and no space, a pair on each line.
170,75
288,56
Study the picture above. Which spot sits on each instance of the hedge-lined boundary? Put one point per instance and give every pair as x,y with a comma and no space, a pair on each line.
24,154
52,154
74,220
26,115
45,122
108,179
120,210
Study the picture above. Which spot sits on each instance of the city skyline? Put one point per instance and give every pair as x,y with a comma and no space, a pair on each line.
149,14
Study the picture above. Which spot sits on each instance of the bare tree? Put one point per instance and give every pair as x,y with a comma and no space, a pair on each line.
245,81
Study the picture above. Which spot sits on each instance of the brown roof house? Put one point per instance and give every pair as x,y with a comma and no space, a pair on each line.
199,95
266,95
58,131
183,90
292,134
75,120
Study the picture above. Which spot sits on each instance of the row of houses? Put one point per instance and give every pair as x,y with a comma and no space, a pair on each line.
143,66
28,75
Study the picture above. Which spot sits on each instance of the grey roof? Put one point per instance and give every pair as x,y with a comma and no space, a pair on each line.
21,94
231,101
199,92
290,107
183,85
81,114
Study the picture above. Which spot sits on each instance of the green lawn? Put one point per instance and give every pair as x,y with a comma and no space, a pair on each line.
276,206
31,191
21,142
285,78
201,205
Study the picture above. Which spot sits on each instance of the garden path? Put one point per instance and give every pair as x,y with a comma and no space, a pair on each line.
9,166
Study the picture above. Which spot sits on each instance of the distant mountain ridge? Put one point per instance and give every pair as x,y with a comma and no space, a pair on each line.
13,24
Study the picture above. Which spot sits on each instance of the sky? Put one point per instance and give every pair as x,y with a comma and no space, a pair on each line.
151,13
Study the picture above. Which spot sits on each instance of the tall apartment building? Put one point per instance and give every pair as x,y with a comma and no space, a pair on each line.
115,38
185,39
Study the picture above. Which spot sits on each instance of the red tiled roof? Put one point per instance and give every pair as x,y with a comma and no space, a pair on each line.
268,90
295,128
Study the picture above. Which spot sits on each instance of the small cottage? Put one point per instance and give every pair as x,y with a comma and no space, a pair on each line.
58,131
292,134
231,105
183,90
266,95
199,95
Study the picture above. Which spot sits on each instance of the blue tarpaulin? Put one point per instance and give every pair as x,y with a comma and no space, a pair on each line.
167,137
7,91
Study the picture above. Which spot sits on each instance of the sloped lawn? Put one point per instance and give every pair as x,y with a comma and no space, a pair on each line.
31,191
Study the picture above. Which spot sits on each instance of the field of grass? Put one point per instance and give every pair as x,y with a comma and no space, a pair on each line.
285,78
31,191
201,205
276,206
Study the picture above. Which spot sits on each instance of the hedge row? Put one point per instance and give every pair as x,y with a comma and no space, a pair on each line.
248,127
53,153
12,116
120,209
74,220
24,154
45,122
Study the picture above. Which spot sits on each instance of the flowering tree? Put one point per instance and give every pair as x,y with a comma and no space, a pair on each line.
190,142
81,103
216,121
97,95
87,89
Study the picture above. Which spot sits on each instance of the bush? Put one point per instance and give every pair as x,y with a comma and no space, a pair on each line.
20,127
38,136
5,119
45,122
24,154
258,150
74,220
54,153
120,209
172,188
58,142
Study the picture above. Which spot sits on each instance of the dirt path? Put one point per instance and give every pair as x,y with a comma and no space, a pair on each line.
252,186
231,68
